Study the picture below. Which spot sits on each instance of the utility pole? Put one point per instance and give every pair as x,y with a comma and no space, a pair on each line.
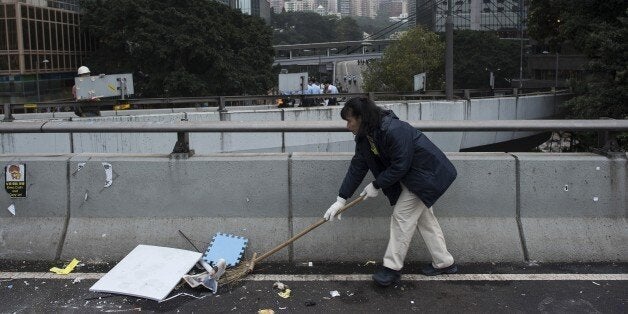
520,44
449,54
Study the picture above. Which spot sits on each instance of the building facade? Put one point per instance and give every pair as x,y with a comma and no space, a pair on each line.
502,16
259,8
41,46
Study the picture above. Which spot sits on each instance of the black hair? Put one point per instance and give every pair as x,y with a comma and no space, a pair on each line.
366,110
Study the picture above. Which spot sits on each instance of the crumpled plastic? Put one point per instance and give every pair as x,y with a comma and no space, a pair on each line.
68,269
208,279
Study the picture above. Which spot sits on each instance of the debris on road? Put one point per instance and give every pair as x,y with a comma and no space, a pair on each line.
334,293
181,294
208,279
150,272
280,286
266,311
68,269
285,294
225,246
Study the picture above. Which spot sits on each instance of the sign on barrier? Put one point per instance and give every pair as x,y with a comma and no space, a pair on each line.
15,180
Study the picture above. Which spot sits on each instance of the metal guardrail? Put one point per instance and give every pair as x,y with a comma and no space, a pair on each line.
606,129
305,126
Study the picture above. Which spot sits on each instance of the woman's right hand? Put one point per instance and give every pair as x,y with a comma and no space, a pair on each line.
334,208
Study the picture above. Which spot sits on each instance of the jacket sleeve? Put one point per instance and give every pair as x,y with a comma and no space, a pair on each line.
356,173
399,147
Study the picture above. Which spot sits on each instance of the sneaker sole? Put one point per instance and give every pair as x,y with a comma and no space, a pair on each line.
387,284
448,272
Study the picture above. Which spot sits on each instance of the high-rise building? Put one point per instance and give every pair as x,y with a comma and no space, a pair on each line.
259,8
276,5
332,6
503,16
41,47
344,7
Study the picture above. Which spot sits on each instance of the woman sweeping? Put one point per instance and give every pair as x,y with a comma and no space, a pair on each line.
411,171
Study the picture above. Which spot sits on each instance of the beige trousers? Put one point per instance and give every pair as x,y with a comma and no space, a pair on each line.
408,215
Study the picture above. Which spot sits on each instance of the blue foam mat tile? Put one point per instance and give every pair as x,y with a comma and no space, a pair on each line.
226,246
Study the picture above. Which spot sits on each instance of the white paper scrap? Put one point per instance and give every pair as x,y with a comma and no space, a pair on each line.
108,174
12,209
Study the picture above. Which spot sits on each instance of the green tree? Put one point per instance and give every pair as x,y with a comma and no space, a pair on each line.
477,53
309,27
347,29
417,51
180,48
379,26
599,30
302,27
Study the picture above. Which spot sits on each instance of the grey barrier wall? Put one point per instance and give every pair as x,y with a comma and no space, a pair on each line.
502,207
500,108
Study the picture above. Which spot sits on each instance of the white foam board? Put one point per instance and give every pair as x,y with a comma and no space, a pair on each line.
148,271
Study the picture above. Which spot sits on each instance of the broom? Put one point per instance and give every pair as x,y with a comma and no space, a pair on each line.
237,273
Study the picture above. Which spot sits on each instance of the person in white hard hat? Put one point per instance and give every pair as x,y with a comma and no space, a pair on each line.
83,71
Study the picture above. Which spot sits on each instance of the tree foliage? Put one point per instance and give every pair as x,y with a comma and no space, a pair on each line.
598,29
378,26
477,53
310,27
180,48
417,51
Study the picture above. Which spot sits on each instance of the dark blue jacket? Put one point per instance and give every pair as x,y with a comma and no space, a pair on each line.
406,156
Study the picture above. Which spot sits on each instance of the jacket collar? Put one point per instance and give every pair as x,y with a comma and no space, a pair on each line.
387,118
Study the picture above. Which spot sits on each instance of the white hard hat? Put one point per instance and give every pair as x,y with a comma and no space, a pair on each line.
83,70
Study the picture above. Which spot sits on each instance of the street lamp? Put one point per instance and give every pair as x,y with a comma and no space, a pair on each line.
555,68
45,62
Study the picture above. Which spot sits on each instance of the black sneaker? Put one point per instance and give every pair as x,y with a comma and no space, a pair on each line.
385,276
429,270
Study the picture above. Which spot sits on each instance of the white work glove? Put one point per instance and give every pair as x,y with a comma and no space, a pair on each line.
334,208
369,191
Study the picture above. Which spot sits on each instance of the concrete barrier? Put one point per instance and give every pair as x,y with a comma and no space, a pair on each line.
574,206
502,207
152,197
36,230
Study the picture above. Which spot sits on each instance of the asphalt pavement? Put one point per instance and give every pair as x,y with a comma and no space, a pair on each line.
29,287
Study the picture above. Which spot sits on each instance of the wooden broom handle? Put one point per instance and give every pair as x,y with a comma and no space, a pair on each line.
308,229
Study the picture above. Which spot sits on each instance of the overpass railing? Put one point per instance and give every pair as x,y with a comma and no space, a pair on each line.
222,102
606,128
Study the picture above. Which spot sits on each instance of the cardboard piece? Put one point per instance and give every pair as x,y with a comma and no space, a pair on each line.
149,272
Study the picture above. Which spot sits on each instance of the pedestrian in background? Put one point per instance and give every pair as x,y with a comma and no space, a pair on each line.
330,89
411,171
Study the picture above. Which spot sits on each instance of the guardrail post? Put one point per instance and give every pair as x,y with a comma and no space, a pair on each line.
467,94
182,146
222,104
8,115
515,91
371,96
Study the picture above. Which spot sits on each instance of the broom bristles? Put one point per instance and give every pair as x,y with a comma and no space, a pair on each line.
235,274
238,273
